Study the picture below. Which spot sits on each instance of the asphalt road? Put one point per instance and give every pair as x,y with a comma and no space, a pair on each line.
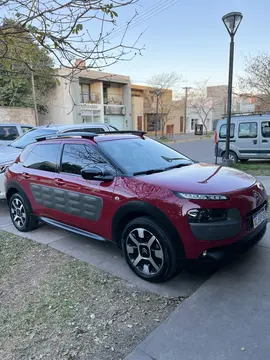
200,150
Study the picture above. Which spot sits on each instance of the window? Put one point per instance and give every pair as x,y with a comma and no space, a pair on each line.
26,128
143,154
266,129
79,156
8,133
30,137
223,131
247,130
43,157
94,130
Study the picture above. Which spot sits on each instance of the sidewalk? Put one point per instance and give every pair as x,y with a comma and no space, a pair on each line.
226,318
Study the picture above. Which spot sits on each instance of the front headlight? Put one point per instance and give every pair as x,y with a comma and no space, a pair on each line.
3,167
201,196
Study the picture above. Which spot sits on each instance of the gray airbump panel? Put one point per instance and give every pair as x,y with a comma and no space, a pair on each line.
68,202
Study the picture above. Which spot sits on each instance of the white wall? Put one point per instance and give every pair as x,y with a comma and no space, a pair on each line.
17,115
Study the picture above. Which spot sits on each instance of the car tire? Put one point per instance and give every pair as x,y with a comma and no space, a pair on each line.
232,156
21,213
145,243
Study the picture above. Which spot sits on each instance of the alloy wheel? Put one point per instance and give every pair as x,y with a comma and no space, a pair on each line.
144,251
18,213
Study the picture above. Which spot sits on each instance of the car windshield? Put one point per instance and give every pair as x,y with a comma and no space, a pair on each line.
30,137
138,156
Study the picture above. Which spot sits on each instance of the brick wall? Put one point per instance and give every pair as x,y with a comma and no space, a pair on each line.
17,115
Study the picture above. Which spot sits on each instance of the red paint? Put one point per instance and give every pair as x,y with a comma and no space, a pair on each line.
156,189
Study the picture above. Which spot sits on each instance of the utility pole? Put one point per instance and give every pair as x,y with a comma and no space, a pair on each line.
158,92
34,97
186,88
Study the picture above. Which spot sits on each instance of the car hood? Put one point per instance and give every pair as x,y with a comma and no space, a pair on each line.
8,154
201,179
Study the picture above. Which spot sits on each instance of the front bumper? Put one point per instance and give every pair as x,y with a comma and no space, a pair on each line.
223,254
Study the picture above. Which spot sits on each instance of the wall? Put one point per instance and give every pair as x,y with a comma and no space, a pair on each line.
17,115
137,110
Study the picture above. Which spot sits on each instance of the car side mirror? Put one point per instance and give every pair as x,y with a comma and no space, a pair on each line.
97,173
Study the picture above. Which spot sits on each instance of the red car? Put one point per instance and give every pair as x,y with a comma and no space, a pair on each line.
159,206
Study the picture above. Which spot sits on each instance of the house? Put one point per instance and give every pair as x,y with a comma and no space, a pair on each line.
155,111
84,95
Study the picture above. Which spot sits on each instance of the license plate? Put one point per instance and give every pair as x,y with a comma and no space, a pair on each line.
259,217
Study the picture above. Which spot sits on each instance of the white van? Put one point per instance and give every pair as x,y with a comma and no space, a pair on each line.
249,137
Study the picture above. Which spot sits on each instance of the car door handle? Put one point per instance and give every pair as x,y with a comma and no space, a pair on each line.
265,141
59,182
26,175
255,142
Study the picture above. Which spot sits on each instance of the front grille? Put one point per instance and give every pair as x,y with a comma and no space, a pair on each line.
249,220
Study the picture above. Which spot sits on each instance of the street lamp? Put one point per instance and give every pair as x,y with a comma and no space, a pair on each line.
232,22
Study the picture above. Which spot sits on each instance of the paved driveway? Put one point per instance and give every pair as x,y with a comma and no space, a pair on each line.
103,255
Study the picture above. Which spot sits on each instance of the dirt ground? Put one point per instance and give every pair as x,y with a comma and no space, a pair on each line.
55,307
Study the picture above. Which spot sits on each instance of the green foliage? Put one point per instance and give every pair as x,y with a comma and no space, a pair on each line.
22,58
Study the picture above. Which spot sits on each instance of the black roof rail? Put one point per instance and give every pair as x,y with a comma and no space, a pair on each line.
84,135
87,135
132,132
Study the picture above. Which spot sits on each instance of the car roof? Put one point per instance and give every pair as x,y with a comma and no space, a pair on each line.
246,118
73,126
15,124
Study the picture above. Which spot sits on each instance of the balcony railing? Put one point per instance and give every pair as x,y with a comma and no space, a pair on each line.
90,98
113,99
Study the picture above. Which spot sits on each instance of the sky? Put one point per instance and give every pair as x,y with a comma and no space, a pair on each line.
189,37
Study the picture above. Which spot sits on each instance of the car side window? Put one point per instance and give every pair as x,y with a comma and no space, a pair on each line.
43,157
266,129
25,129
8,133
94,130
248,130
223,131
76,157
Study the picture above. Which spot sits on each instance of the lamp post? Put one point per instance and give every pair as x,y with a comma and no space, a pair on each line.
231,21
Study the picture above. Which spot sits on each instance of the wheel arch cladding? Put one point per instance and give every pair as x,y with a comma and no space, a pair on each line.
135,209
12,188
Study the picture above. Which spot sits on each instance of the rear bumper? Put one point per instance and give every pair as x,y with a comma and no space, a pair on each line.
225,253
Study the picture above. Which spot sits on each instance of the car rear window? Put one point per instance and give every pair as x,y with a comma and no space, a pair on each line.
223,131
43,157
30,137
8,133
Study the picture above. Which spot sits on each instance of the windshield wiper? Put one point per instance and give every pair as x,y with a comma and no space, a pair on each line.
148,172
179,165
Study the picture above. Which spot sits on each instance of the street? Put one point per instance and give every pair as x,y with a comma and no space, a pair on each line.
200,150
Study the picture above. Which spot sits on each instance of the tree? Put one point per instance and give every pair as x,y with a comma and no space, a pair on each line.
162,85
67,30
257,76
203,101
16,76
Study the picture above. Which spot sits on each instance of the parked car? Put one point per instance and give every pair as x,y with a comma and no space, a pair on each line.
9,153
10,132
159,206
249,137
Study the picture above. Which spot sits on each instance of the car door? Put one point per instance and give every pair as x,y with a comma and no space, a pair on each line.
38,177
265,140
248,140
84,204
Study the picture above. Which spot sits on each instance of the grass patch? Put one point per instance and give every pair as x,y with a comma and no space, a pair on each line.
55,307
255,168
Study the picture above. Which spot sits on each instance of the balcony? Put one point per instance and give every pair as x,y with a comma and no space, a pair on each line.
113,99
90,98
149,107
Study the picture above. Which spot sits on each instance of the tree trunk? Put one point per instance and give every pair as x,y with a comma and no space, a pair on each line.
204,125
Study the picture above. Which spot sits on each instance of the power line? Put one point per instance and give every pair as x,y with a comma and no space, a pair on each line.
162,6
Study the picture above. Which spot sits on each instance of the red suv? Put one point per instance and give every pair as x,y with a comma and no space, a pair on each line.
159,206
